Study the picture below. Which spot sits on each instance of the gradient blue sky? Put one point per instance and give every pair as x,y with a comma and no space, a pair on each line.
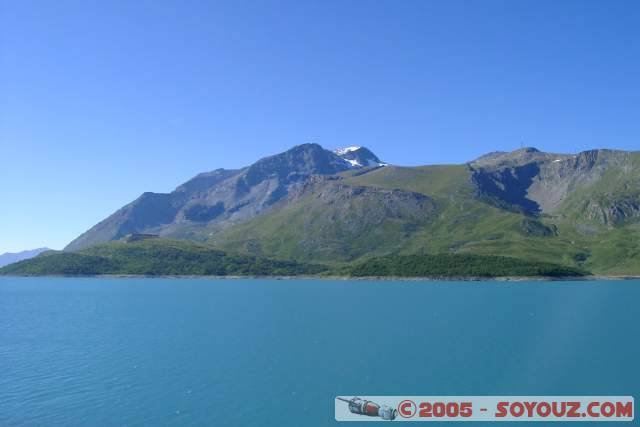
100,101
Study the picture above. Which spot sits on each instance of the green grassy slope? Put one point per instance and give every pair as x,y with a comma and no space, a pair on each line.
342,227
459,223
435,180
468,225
597,219
155,257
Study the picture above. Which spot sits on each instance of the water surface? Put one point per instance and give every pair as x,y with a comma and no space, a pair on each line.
268,352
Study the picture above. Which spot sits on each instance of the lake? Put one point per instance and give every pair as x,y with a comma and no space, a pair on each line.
276,352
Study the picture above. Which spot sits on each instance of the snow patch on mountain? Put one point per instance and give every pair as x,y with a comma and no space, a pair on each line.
359,157
345,150
353,163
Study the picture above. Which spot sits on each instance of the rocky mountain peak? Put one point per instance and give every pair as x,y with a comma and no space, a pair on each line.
358,156
519,157
527,150
224,197
301,160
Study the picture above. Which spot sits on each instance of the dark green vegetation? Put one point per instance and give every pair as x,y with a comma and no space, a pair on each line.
454,265
156,257
311,205
169,257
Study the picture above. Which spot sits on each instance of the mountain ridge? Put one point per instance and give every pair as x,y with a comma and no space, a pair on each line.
338,206
221,196
12,257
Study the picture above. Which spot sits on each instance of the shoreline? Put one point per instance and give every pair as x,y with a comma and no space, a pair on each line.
351,278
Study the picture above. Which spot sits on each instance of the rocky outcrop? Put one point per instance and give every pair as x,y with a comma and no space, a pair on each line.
507,187
325,218
381,203
534,182
612,213
533,227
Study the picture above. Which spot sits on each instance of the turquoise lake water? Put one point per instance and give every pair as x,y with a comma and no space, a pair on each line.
275,353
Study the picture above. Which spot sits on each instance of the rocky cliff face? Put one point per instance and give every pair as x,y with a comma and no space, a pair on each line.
535,182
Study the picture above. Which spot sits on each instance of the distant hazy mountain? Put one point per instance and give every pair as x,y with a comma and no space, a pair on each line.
9,257
311,204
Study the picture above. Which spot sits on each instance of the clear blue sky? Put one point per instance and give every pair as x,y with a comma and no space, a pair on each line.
100,101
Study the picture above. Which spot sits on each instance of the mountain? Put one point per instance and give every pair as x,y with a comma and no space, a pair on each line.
215,200
540,182
309,204
579,210
359,156
10,257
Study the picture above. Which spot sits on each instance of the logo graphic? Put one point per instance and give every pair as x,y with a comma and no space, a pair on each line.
407,409
484,408
369,408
